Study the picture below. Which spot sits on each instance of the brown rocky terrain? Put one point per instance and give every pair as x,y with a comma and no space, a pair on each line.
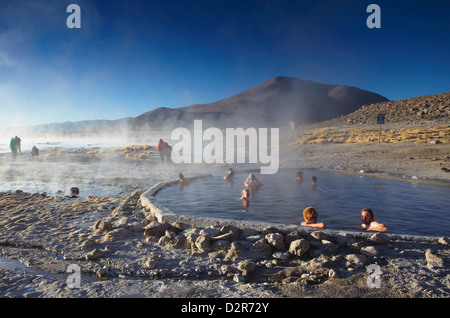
423,110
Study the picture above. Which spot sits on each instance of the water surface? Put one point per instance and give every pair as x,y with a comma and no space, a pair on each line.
405,207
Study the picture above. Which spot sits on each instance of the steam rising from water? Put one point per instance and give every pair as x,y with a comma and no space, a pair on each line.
97,164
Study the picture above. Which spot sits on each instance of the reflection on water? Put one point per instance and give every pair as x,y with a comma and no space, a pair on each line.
408,208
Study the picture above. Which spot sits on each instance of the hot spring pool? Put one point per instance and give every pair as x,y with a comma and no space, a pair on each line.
405,207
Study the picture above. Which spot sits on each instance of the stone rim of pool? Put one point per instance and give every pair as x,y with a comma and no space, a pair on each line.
163,214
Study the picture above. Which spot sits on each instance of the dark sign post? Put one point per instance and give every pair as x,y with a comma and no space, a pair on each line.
380,120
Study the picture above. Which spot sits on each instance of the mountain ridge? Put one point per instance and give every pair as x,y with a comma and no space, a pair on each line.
277,101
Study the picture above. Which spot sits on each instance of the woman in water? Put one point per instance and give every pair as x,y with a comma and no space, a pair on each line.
252,181
310,215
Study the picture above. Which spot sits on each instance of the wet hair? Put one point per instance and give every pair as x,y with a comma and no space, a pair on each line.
368,210
309,213
180,175
314,179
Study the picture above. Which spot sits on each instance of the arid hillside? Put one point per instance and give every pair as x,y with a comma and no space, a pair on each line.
421,120
430,109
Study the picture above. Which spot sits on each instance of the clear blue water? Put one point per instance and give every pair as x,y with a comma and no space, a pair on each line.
405,207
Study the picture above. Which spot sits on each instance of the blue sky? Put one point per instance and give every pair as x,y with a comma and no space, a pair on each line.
130,57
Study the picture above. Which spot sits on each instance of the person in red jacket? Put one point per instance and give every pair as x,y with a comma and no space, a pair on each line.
160,149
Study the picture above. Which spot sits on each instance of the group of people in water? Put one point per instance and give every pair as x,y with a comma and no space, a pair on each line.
368,222
16,148
310,214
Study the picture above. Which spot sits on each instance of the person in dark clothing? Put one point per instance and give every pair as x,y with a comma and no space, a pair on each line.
13,147
34,151
19,145
168,152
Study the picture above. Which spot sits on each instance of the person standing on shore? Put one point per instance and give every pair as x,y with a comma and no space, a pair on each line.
19,145
168,152
161,150
13,146
368,223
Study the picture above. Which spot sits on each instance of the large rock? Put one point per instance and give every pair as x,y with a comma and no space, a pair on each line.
433,260
208,232
202,244
246,267
234,230
292,236
276,240
151,261
156,229
260,249
444,241
355,260
380,238
236,250
299,247
190,240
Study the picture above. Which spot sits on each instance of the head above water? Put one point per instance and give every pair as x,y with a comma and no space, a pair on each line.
246,193
367,215
310,214
251,176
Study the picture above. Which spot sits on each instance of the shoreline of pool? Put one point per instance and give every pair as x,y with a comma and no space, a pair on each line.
162,214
